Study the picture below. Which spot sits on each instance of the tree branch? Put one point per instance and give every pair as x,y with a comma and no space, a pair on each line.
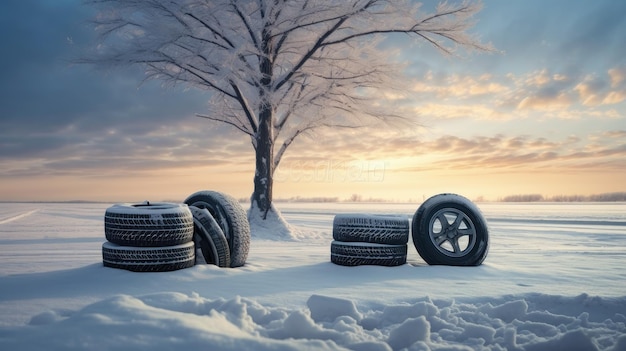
239,127
246,107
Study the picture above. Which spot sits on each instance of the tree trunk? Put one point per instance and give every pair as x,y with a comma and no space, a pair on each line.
264,174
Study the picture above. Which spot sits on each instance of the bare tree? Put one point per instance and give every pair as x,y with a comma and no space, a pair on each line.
275,68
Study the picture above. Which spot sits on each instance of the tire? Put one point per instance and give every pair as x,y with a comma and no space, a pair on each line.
148,259
356,254
209,239
148,224
377,229
449,229
231,218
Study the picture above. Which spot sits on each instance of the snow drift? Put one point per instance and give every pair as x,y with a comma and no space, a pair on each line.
174,321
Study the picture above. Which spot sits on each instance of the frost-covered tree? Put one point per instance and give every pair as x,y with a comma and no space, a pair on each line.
276,69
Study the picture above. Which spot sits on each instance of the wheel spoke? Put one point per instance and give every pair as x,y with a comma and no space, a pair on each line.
444,222
457,221
442,233
455,245
441,239
468,231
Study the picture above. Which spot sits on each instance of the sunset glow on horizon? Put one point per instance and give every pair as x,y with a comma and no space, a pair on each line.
546,114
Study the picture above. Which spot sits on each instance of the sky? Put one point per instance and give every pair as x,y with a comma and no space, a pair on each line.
544,114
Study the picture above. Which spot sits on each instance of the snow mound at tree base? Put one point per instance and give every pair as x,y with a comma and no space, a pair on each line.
168,321
272,227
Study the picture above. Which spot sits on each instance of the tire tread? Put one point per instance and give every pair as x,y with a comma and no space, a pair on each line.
148,259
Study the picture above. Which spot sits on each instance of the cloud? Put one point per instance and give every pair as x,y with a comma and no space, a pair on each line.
544,93
191,144
540,90
614,97
60,118
545,101
510,153
618,76
618,134
609,90
524,152
458,86
590,90
542,78
450,152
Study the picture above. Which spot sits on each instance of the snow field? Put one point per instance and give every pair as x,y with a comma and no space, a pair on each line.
553,280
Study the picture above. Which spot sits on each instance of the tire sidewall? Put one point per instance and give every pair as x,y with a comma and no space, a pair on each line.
215,209
210,238
233,221
154,208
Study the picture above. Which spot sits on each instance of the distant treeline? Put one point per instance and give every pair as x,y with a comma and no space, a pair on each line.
606,197
318,199
353,198
308,199
323,199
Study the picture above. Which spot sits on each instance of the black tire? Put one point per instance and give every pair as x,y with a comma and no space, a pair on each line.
231,218
209,239
378,229
148,224
356,254
449,229
148,259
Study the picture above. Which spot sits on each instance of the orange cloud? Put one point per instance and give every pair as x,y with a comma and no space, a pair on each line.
593,91
538,78
614,97
617,75
456,111
539,102
458,86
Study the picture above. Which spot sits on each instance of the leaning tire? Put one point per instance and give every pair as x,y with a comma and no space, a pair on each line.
209,239
231,218
378,229
148,224
449,229
148,259
356,254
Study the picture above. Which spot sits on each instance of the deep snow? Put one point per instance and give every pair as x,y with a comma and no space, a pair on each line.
553,280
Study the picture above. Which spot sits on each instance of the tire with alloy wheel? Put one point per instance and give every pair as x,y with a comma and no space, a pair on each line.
209,239
357,254
148,224
148,259
371,228
230,217
449,229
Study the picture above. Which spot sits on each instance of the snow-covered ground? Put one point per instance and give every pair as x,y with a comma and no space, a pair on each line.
554,280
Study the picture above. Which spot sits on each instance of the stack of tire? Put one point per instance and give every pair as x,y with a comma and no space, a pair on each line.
364,239
447,229
208,228
148,237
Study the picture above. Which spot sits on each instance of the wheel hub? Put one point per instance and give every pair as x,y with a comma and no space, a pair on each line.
452,232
